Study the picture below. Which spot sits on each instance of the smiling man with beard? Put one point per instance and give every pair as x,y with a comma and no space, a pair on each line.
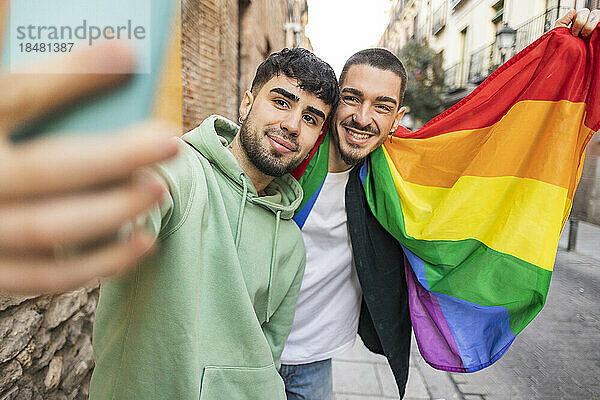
329,308
206,316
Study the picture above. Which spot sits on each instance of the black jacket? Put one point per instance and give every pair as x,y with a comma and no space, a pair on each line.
384,325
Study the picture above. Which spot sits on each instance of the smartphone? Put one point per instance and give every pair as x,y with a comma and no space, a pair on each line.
35,30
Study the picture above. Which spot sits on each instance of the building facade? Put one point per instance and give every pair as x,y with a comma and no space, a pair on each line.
464,32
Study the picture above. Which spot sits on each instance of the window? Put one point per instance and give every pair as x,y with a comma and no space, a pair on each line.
498,12
455,3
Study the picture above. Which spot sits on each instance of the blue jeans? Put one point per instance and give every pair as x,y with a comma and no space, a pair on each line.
308,381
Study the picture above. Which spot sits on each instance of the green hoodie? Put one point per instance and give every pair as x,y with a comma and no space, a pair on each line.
206,316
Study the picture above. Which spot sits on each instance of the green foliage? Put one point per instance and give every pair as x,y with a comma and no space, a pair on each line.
425,80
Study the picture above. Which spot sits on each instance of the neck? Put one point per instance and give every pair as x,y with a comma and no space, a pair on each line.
259,180
336,164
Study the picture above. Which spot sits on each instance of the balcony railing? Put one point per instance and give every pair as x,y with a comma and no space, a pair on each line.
529,31
482,62
439,18
455,77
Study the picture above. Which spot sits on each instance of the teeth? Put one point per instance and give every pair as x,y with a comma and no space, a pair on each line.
358,136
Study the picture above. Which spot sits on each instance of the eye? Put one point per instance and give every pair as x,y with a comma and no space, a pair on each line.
383,107
309,119
281,103
350,99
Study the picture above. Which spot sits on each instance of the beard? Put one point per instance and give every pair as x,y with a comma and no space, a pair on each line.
267,160
354,154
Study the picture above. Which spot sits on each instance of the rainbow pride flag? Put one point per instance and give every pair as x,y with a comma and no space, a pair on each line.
478,198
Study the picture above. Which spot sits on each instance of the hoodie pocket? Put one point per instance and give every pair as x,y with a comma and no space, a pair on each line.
241,383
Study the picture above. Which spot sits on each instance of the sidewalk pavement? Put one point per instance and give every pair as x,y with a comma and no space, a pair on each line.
359,374
556,357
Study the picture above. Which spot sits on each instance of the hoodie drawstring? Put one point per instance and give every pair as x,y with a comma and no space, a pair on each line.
273,260
238,232
238,236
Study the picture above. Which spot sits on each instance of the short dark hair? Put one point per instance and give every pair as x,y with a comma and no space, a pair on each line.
378,58
313,74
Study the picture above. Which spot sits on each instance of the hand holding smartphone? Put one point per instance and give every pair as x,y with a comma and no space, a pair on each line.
59,188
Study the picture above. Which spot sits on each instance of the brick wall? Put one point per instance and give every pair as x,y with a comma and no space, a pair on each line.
45,342
223,41
262,32
210,60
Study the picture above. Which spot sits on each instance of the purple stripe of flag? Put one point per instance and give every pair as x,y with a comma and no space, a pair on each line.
433,334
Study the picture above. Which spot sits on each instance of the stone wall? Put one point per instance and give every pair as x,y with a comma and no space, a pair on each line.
45,345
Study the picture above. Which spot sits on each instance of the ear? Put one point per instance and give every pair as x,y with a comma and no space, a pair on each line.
246,105
398,117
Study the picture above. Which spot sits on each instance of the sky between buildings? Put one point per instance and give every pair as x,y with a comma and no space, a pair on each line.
339,28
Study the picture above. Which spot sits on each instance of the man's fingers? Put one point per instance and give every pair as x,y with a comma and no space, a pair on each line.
579,21
68,163
566,19
57,275
30,95
591,24
79,218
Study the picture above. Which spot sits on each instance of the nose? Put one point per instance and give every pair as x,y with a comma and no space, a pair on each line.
362,115
291,123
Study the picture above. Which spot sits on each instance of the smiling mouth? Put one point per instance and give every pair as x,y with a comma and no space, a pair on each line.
282,145
357,136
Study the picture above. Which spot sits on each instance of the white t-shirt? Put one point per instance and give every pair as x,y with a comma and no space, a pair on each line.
326,319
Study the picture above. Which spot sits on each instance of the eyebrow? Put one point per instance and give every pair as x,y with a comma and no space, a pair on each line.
353,91
286,94
295,99
316,111
357,92
387,99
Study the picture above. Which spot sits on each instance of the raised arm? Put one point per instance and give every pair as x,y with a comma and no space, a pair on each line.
65,193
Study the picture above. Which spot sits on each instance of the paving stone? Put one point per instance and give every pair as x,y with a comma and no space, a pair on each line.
358,352
473,388
355,378
503,397
415,387
388,382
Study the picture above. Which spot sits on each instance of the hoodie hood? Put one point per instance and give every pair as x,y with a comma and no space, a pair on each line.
283,194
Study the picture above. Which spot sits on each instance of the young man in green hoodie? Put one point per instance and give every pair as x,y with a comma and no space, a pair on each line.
207,315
